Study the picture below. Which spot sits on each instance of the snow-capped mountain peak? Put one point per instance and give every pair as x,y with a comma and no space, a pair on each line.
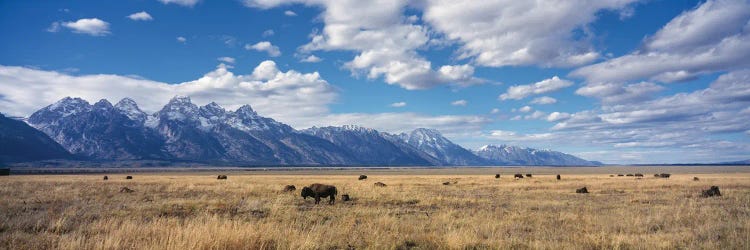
129,108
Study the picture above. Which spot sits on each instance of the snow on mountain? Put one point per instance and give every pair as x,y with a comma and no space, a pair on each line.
512,155
434,144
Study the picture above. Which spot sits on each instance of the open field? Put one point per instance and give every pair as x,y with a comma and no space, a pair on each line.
193,210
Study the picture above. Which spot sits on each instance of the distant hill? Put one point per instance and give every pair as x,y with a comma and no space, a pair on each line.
512,155
19,142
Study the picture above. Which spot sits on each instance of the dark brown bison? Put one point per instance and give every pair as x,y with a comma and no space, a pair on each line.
582,190
557,177
656,175
128,177
126,190
380,184
629,175
447,183
106,178
620,175
528,175
345,197
497,176
362,177
318,191
639,175
519,176
611,175
289,188
221,177
696,179
664,175
713,191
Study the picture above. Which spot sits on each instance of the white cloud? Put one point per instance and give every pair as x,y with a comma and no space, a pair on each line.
557,116
268,33
89,26
505,135
140,16
495,111
181,39
462,103
290,13
311,59
185,3
265,46
505,32
613,93
525,109
544,100
398,104
534,116
518,92
713,37
386,42
226,59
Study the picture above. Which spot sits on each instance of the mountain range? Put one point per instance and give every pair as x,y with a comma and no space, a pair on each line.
184,132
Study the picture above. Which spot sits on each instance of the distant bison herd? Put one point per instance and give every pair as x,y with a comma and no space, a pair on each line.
319,191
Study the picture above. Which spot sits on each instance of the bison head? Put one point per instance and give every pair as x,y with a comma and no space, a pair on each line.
307,192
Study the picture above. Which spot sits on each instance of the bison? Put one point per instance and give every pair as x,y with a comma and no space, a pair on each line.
345,197
447,183
497,176
639,175
713,191
558,177
664,175
221,177
318,191
106,178
528,175
380,184
696,179
518,176
656,175
582,190
362,177
629,175
620,175
128,177
289,188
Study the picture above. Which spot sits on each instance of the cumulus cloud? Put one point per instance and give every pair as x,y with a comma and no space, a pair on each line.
557,116
226,59
544,100
614,93
265,46
462,103
311,59
715,36
525,109
140,16
268,33
495,111
185,3
518,92
181,39
386,42
503,33
290,13
398,104
88,26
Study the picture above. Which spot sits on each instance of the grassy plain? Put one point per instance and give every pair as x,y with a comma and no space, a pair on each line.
193,210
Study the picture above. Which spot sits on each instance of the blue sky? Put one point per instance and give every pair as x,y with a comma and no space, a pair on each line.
619,81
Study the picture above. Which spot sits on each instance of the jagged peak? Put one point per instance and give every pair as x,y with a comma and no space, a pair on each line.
180,99
126,102
103,103
68,101
427,131
245,111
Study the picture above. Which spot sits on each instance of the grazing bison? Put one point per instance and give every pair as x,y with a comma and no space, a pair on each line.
630,175
656,175
611,175
362,177
106,178
582,190
447,183
518,176
289,188
345,197
380,184
639,175
126,190
696,179
497,176
713,191
664,175
318,191
620,175
221,177
558,177
528,175
128,177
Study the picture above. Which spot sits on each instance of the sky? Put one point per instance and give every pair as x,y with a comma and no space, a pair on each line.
617,81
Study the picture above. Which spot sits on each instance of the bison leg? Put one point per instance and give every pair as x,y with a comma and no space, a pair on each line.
333,200
317,199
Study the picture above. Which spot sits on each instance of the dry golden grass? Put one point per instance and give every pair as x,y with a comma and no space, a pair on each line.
249,211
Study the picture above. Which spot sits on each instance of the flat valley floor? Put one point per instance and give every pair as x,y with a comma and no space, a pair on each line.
249,210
